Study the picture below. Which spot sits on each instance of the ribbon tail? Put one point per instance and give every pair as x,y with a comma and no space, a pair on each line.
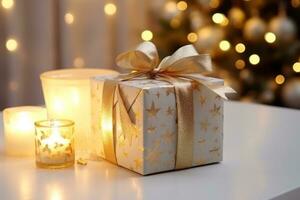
107,120
220,90
129,129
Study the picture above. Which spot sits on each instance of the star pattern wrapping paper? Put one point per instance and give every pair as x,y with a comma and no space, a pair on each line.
152,107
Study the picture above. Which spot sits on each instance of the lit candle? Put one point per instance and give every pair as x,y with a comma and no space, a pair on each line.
67,96
19,129
54,143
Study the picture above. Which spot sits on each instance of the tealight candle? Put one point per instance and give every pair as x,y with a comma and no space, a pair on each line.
19,129
54,143
67,96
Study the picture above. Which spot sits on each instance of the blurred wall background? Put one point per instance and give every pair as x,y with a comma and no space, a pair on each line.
36,36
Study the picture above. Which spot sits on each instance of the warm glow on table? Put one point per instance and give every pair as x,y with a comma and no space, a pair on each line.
67,96
253,167
19,129
54,143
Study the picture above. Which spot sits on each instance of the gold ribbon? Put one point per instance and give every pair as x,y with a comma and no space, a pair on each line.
182,69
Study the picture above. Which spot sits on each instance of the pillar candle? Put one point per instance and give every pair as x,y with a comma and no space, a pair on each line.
19,129
67,96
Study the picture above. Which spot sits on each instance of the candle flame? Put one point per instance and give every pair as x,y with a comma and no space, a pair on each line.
55,138
24,122
58,105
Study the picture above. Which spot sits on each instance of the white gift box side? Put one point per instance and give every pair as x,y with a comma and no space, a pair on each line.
152,107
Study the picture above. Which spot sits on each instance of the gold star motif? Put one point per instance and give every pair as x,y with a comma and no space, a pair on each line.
214,150
158,94
153,157
101,153
196,86
39,143
136,133
144,83
163,125
148,82
216,129
137,116
152,82
81,161
215,111
202,100
204,125
121,141
93,95
156,143
218,97
169,91
125,154
152,111
202,141
200,162
69,148
151,129
168,137
170,111
138,163
171,152
141,149
47,149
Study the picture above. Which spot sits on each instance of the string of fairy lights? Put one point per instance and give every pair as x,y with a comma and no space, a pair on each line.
220,19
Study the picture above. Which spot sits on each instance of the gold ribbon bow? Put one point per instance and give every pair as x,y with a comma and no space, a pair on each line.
182,70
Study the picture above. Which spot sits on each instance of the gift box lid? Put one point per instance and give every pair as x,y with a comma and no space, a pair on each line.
142,83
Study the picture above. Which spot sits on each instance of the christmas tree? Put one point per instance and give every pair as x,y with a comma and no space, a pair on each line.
254,44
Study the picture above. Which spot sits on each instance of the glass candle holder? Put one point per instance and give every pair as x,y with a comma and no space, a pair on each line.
19,129
54,143
67,95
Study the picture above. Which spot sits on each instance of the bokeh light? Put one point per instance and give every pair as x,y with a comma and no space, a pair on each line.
279,79
214,3
270,37
11,44
175,22
224,45
192,37
110,9
147,35
240,64
69,18
254,59
7,4
295,3
220,18
78,62
170,7
240,48
181,5
296,66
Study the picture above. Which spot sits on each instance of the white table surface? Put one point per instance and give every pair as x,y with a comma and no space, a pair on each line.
261,161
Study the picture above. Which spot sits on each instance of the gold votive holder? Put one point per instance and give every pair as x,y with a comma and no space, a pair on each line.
54,143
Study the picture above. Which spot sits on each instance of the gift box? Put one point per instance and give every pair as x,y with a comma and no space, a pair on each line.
151,121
